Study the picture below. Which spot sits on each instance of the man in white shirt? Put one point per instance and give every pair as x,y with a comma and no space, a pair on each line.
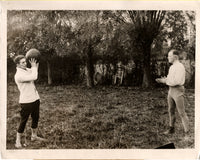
29,99
175,80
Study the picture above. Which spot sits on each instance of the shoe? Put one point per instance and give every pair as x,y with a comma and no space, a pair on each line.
36,138
18,145
169,131
25,144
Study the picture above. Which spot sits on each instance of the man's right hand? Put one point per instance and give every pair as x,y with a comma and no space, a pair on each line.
33,62
161,80
158,80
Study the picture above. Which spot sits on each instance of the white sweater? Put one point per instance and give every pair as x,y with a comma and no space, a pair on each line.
25,83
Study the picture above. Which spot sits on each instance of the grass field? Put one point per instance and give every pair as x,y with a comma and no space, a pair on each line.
75,117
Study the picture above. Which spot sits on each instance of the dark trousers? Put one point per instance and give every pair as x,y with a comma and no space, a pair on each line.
28,109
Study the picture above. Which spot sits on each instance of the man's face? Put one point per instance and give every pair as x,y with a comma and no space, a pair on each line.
22,63
170,57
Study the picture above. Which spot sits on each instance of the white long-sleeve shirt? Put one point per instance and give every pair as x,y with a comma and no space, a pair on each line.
176,75
25,83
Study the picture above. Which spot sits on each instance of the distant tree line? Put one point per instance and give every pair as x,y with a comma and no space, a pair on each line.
72,42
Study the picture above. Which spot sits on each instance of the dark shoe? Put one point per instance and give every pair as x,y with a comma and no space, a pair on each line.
169,131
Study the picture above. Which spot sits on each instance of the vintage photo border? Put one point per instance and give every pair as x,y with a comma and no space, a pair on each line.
95,153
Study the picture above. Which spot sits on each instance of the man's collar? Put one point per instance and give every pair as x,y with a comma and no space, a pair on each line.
176,61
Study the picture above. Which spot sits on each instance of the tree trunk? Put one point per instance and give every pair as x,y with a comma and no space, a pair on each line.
146,67
49,73
89,68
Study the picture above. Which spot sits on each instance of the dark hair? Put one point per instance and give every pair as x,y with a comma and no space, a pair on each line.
18,58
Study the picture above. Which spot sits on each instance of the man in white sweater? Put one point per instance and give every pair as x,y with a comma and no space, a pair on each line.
29,99
175,80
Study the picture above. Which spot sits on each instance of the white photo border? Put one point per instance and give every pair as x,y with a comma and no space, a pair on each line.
95,153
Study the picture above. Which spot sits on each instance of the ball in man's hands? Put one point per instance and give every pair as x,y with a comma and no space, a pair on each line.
33,53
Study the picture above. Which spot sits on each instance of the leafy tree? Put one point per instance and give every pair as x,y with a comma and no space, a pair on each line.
146,27
108,35
177,27
87,35
38,29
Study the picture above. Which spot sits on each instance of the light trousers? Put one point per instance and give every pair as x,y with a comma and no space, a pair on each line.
176,100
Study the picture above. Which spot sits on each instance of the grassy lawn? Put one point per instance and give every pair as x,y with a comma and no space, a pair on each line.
75,117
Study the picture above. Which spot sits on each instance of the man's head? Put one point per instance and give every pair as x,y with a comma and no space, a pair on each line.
20,61
173,55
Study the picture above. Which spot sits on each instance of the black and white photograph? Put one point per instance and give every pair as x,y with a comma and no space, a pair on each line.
100,79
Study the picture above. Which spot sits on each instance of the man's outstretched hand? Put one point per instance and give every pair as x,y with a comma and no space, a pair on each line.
161,80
